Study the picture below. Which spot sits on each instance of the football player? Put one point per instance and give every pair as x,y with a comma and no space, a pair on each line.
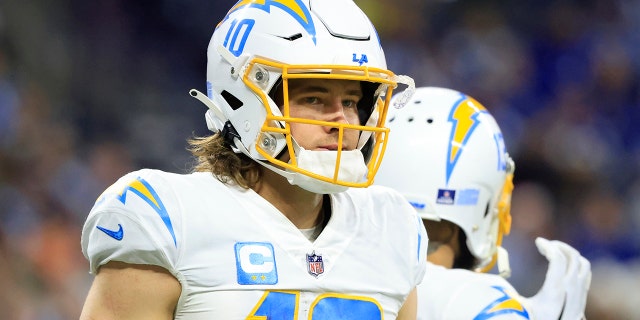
275,222
447,155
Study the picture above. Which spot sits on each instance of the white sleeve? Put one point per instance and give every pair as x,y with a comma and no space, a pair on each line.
463,294
495,299
412,229
130,223
422,243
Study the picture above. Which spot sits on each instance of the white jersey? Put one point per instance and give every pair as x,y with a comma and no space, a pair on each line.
459,294
236,256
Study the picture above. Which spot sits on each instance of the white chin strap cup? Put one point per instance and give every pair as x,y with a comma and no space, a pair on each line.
504,269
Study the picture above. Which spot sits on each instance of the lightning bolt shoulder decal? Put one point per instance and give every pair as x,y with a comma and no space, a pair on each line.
464,120
503,305
144,190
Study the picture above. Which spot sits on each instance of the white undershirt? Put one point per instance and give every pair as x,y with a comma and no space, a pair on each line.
310,233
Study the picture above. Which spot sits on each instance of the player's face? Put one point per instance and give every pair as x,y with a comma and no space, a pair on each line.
324,100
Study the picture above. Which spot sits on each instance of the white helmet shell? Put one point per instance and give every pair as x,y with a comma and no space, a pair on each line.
259,46
446,154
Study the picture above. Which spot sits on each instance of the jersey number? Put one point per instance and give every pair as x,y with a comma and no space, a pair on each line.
329,306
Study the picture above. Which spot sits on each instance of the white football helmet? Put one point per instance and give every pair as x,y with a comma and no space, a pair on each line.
259,46
446,154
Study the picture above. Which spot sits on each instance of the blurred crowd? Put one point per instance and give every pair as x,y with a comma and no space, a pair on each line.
90,90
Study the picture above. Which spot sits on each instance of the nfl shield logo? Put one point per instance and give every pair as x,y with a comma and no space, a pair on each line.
315,266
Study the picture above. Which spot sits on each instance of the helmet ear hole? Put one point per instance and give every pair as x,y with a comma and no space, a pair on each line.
232,100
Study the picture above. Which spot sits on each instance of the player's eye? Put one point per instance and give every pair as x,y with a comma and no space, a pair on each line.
349,103
311,100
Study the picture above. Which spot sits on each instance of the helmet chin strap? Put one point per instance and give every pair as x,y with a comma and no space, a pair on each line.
504,268
501,258
352,168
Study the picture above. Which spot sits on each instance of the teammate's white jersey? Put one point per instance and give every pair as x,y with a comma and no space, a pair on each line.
236,256
459,294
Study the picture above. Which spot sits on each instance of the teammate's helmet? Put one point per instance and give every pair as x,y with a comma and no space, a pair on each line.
260,45
446,154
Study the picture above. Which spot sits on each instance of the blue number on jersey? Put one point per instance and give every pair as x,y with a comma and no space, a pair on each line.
283,305
276,305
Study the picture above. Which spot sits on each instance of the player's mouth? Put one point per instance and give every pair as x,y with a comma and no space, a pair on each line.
332,147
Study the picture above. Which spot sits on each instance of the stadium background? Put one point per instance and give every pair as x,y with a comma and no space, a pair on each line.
92,89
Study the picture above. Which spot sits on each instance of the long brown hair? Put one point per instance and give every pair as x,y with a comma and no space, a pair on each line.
214,155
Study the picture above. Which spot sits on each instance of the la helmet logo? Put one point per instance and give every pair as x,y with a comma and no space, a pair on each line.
362,59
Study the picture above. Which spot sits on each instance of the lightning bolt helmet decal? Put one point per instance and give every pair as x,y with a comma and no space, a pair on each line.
464,120
295,8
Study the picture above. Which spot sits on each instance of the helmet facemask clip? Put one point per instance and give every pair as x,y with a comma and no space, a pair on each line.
229,134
